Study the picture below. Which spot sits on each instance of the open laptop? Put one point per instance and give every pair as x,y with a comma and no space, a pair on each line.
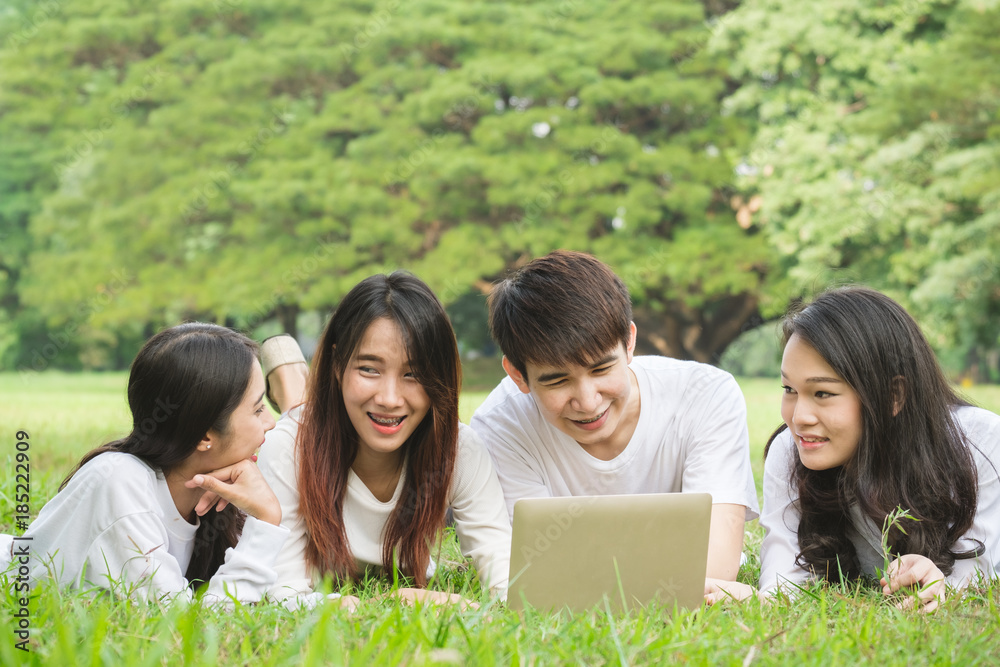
633,549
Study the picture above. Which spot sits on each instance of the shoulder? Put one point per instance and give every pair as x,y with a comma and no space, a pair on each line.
975,420
691,372
781,455
982,428
115,470
278,449
470,447
505,400
684,380
112,485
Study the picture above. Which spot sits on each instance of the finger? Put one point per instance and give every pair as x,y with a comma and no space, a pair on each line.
931,596
221,505
206,502
902,577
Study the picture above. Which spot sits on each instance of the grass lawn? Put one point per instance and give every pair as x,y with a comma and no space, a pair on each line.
67,414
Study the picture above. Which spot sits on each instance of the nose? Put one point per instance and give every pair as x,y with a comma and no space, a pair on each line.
587,397
803,414
268,420
389,393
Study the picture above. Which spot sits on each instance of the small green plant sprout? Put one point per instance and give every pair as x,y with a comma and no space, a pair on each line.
893,519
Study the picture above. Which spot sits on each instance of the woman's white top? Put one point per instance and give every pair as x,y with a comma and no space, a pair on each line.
475,498
780,514
115,526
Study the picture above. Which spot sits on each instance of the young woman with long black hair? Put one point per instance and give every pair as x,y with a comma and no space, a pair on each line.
368,466
125,519
872,429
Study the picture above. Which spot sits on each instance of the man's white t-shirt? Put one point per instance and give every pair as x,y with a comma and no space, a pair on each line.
691,436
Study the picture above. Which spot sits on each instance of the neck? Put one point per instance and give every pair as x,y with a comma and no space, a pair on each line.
379,471
184,498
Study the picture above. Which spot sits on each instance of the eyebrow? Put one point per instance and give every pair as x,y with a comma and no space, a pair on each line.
816,379
261,397
555,375
378,359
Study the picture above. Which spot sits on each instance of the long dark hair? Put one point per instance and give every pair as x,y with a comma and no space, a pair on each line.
327,441
912,453
186,381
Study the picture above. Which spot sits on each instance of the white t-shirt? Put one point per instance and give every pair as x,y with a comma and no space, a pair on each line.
780,517
691,436
117,522
475,498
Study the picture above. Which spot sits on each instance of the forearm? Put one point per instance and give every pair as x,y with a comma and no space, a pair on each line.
725,541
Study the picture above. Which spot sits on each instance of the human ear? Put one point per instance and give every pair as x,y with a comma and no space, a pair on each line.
515,375
630,350
205,445
898,394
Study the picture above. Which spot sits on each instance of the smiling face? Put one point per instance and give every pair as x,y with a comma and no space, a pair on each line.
246,428
822,411
383,397
595,404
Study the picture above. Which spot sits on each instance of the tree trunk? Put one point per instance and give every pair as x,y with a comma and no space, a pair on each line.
698,334
288,315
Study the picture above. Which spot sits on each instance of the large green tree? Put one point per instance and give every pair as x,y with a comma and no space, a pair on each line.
250,159
877,152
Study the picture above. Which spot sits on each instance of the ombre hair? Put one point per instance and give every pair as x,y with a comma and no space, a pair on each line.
327,442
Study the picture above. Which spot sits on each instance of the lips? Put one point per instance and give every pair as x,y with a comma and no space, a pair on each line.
386,424
811,441
592,424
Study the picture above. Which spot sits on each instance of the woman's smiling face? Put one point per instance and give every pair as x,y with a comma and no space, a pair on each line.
384,399
822,412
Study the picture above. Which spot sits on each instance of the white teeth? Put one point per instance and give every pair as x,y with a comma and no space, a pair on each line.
385,422
590,421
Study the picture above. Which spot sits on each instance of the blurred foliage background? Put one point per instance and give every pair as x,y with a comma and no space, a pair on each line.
248,161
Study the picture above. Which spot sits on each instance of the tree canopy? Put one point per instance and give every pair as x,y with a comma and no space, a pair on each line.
876,154
248,160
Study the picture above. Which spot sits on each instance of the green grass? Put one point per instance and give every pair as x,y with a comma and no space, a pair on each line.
67,414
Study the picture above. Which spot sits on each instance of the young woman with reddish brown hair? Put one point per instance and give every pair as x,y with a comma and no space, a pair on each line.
367,467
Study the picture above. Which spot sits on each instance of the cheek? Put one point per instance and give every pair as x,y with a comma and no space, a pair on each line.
552,404
787,409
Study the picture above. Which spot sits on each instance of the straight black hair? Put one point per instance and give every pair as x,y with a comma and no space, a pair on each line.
186,381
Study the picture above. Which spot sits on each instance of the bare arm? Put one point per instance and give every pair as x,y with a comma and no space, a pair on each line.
725,541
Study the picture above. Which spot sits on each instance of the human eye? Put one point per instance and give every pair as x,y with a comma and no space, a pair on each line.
367,370
259,410
824,394
787,389
601,370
